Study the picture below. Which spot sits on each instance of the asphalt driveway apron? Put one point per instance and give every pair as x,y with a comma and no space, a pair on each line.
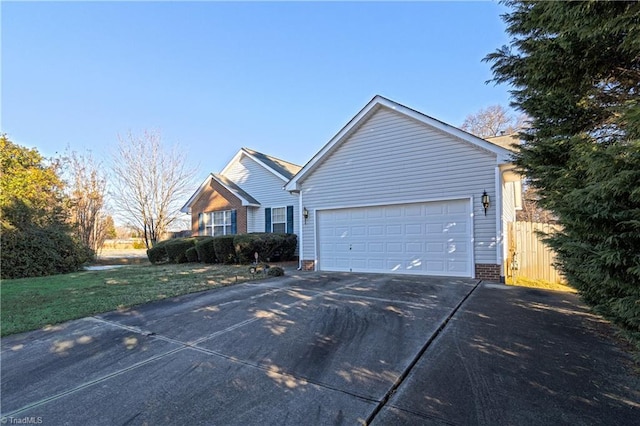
308,349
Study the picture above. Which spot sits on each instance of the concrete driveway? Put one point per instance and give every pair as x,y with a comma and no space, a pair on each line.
322,349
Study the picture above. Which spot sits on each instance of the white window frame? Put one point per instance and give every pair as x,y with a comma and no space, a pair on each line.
282,222
210,223
225,224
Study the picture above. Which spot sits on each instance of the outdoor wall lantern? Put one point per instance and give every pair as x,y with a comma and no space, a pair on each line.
305,214
486,202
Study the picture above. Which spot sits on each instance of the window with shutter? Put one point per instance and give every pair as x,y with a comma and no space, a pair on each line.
279,220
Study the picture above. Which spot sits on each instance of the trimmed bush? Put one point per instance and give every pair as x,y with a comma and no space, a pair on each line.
35,252
288,248
177,248
191,254
206,252
270,247
246,245
158,253
275,271
224,249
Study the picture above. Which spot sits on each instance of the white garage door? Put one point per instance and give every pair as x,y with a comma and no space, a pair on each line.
422,238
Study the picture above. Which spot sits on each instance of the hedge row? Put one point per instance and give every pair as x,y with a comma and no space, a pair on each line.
40,251
227,249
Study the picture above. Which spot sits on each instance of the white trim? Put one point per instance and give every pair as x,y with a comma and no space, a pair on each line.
301,223
502,155
187,206
285,218
236,158
472,258
244,201
394,202
500,246
315,241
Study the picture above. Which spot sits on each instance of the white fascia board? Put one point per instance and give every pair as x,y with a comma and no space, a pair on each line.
244,201
236,158
503,155
187,206
293,185
284,179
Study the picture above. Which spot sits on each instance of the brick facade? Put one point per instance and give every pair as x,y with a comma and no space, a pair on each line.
488,271
215,198
308,265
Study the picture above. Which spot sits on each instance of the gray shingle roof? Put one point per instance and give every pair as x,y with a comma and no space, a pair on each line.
236,189
285,168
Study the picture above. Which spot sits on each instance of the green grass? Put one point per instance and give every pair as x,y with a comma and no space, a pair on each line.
31,303
542,284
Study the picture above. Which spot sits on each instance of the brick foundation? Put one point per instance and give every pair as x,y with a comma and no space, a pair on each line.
488,271
308,265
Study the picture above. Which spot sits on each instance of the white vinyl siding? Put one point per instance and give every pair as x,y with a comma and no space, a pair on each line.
265,187
392,159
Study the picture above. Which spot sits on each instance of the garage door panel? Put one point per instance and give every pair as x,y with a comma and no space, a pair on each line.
374,213
413,247
375,230
376,264
358,231
414,229
392,212
394,248
435,209
393,230
434,228
421,238
376,247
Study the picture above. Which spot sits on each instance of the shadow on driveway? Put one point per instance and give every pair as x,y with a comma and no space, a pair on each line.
323,349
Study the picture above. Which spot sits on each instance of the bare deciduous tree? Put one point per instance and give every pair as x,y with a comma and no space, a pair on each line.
87,188
148,183
531,210
492,121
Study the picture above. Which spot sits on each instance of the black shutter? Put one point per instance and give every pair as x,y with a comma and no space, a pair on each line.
267,219
200,223
234,222
289,219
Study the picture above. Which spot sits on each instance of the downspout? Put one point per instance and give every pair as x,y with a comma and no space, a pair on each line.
499,228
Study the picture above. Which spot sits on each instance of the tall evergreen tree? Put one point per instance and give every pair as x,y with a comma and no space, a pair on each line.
575,70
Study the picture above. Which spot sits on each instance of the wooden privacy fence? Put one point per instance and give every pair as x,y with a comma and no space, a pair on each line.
529,256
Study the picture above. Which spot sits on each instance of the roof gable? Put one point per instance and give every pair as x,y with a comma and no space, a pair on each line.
243,196
503,155
280,168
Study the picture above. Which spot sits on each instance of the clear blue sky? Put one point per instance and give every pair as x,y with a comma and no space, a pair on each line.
281,78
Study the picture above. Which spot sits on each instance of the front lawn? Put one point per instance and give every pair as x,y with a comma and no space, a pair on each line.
31,303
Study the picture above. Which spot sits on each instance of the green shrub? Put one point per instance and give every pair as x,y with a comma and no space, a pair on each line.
224,249
288,248
177,249
40,251
275,271
158,253
206,252
246,245
270,247
191,254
